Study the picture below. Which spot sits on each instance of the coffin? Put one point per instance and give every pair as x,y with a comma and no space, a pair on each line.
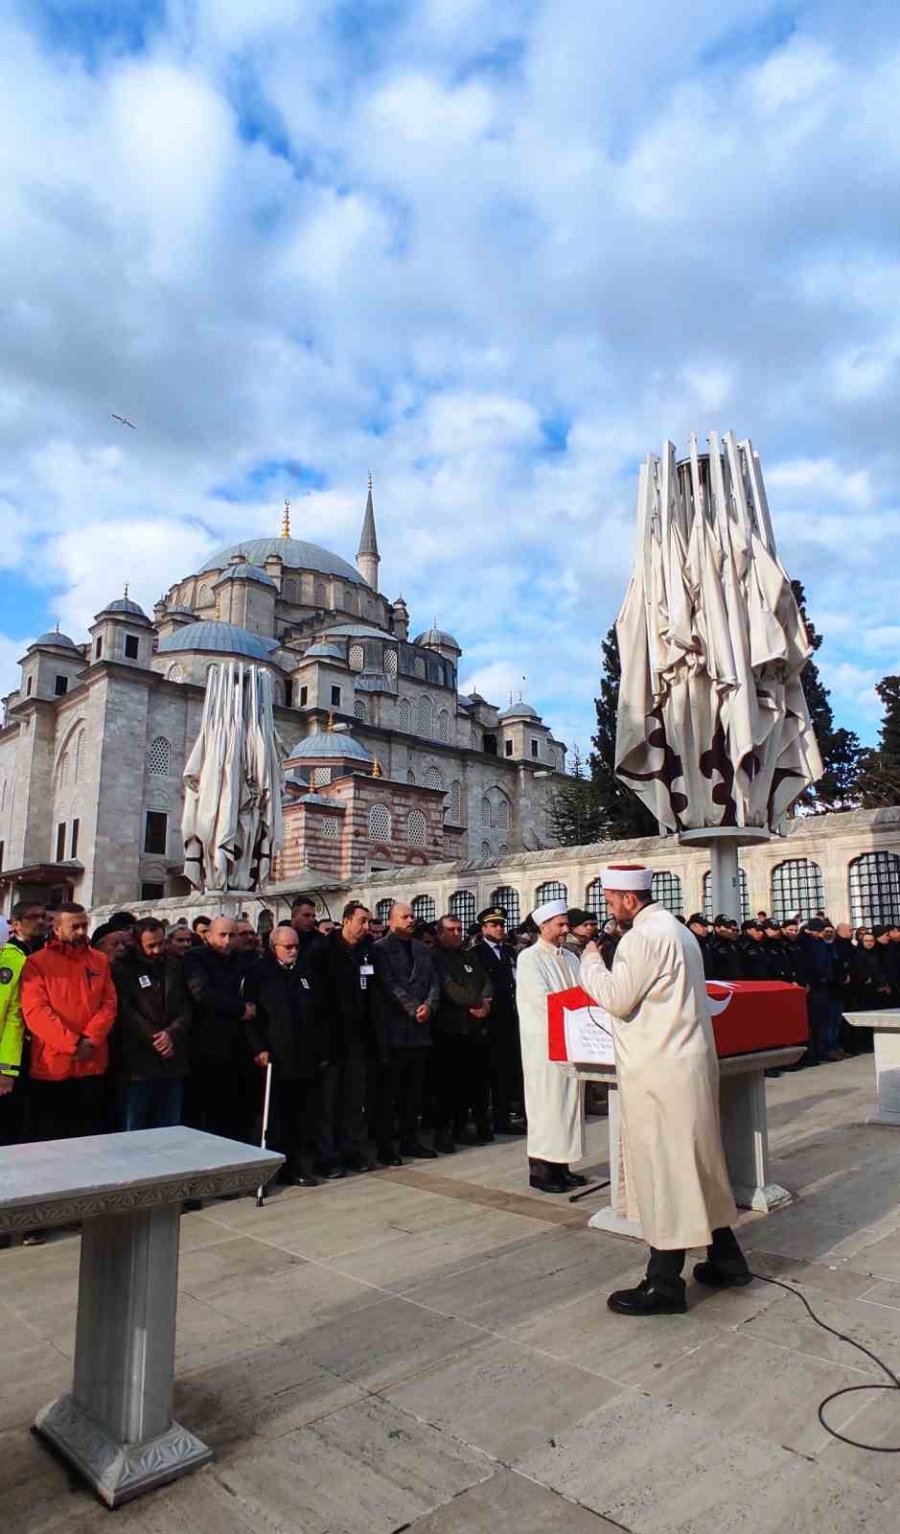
747,1015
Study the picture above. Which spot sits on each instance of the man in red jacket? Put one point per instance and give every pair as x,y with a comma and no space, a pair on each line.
69,1006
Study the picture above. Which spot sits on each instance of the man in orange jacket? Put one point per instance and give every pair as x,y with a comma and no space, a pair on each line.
69,1006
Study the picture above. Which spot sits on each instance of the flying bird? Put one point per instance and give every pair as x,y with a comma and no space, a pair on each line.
123,420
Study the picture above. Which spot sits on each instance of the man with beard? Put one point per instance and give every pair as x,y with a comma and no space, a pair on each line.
148,1045
498,960
69,1007
554,1102
289,1033
668,1079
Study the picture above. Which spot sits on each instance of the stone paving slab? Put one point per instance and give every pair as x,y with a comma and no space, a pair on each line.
510,1504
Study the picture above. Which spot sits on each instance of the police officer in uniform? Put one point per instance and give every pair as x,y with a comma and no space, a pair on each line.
498,960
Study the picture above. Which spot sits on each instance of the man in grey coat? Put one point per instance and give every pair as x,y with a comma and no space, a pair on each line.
407,991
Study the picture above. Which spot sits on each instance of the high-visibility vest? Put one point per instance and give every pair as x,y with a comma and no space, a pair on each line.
12,1030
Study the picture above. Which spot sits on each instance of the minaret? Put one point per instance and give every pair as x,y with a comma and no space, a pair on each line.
367,556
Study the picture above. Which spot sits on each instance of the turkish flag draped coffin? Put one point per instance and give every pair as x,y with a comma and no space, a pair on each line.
747,1015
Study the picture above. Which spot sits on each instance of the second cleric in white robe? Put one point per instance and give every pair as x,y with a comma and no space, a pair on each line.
554,1101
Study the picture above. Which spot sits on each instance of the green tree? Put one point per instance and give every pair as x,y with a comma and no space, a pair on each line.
880,776
838,787
620,813
573,809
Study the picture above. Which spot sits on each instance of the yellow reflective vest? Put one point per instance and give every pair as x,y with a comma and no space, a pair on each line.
12,1031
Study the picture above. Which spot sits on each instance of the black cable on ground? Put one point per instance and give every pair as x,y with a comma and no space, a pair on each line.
846,1390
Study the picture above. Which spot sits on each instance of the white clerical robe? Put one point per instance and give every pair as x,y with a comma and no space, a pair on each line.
554,1101
668,1075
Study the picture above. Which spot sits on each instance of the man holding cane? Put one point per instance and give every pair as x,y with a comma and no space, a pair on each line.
668,1079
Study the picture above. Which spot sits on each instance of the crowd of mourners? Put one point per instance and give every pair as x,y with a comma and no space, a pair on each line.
402,1037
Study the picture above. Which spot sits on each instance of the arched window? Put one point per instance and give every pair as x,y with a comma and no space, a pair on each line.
405,715
503,814
463,905
62,771
443,726
419,668
379,823
708,911
875,889
203,596
331,828
551,889
595,900
485,813
423,717
410,777
797,885
289,589
433,778
159,757
503,850
487,850
175,672
320,776
454,804
357,657
667,890
383,909
390,662
359,710
423,908
319,595
508,900
416,828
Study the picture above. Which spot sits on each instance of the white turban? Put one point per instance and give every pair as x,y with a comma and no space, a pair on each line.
548,910
627,876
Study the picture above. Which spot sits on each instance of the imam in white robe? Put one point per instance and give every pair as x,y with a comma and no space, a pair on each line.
676,1179
554,1101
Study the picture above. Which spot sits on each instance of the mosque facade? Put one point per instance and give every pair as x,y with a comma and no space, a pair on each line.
387,763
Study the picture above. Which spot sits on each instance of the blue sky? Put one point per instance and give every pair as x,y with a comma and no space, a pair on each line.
492,252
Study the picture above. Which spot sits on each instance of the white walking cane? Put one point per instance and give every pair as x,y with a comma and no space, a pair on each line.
260,1197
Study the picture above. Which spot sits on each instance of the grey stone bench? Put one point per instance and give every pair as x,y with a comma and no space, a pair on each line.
886,1027
126,1191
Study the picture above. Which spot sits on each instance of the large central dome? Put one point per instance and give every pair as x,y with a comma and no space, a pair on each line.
296,554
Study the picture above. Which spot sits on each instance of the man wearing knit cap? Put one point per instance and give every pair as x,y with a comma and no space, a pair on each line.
554,1102
668,1076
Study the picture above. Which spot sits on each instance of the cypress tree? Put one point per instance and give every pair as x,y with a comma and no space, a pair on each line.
880,776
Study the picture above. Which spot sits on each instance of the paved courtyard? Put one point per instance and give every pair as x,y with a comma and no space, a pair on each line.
429,1349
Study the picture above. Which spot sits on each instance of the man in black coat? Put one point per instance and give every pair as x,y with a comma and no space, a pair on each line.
407,992
752,949
224,1092
498,960
724,956
346,966
699,926
461,1028
148,1045
289,1033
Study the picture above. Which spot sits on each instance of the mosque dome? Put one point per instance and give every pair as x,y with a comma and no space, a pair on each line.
295,553
61,641
246,572
435,638
331,744
519,710
323,651
125,607
218,639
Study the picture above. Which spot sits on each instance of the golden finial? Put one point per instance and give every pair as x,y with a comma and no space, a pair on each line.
330,725
286,520
376,769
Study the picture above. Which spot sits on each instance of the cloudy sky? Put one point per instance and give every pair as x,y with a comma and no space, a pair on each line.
494,251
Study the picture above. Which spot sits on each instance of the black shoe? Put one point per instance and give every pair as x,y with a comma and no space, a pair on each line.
547,1184
444,1143
358,1163
388,1158
419,1152
332,1173
650,1298
305,1180
714,1277
510,1129
484,1134
574,1179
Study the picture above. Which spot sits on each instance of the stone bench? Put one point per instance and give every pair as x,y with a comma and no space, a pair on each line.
126,1191
886,1027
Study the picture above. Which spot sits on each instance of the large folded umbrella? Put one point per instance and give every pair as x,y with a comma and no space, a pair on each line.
713,728
232,825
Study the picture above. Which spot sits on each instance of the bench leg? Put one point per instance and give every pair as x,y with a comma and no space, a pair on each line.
116,1425
745,1137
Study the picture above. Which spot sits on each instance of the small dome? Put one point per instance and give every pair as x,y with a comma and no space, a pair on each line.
61,641
321,799
519,710
293,552
246,572
333,744
218,639
322,651
124,605
435,639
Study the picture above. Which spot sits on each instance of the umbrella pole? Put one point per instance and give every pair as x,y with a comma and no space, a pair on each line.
724,874
267,1098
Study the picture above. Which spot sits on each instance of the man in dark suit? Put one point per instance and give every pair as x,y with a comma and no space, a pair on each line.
498,960
288,1032
407,992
